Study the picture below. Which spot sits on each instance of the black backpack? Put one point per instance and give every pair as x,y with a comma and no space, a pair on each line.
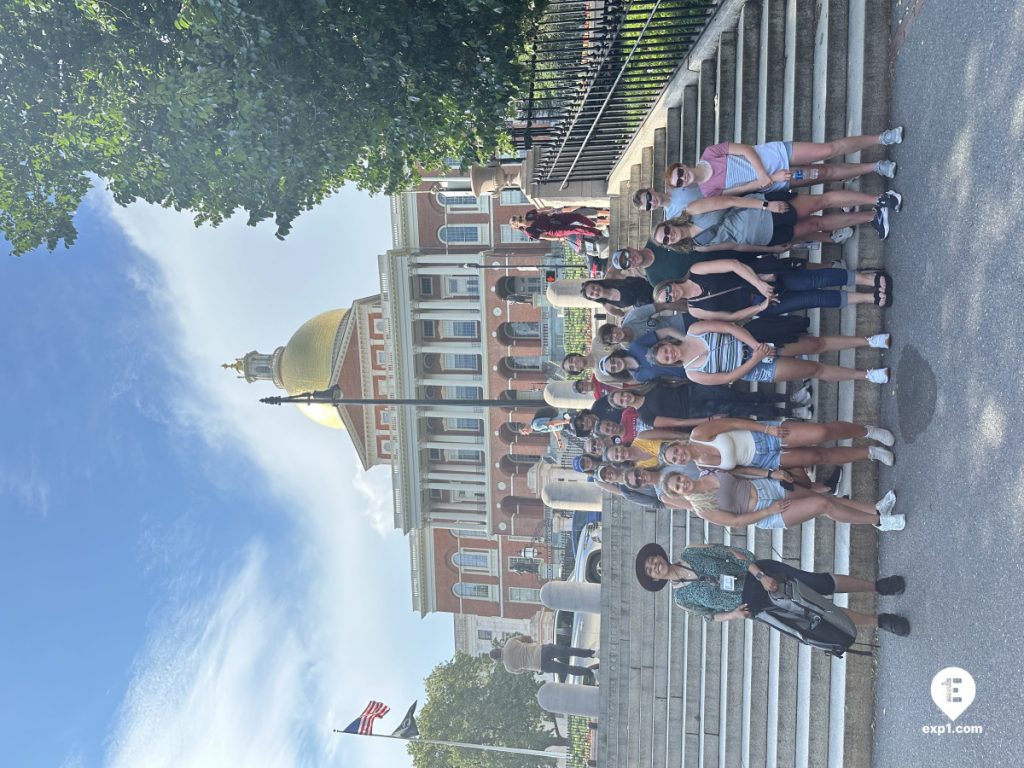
798,611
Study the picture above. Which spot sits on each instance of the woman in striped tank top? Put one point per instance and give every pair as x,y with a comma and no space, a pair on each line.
715,352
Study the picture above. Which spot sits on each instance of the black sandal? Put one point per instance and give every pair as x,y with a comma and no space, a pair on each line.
883,281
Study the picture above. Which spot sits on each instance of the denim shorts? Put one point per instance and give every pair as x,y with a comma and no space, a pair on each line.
763,371
768,492
767,451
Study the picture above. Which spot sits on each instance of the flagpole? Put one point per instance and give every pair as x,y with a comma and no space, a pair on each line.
484,747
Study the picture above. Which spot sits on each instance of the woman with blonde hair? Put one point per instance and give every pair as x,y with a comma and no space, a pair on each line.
741,443
768,501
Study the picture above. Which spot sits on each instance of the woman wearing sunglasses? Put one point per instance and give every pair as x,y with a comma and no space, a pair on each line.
755,225
730,443
731,168
725,499
713,352
726,289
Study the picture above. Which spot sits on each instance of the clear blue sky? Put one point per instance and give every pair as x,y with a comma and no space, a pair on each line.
190,577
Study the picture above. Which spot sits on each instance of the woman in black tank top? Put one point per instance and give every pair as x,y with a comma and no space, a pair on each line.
729,290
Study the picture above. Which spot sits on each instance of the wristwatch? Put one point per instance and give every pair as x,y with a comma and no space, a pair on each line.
764,203
759,575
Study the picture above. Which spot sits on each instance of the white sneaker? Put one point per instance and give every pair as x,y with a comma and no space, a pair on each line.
886,168
839,263
842,235
802,396
880,435
877,375
892,523
880,341
883,455
886,504
803,412
891,136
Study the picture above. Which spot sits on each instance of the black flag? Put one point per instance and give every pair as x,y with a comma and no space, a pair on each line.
407,729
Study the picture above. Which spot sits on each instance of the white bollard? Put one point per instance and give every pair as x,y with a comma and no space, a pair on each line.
569,699
571,596
560,394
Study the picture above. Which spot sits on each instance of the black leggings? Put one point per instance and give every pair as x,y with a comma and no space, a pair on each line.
554,658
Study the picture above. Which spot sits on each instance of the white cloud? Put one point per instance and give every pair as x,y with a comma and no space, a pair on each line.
337,628
221,684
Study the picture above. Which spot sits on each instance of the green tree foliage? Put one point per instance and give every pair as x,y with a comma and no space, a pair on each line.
265,105
472,699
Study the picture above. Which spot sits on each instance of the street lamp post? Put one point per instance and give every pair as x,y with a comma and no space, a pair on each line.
334,396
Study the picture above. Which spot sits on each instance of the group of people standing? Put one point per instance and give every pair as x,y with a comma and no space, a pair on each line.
707,302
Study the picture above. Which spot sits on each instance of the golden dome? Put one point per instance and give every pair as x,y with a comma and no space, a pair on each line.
308,364
308,358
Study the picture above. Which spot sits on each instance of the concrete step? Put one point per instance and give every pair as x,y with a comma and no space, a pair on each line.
700,695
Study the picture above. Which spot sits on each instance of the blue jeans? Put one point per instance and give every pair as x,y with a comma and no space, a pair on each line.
801,289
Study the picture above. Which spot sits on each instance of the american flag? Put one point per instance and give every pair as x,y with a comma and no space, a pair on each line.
364,723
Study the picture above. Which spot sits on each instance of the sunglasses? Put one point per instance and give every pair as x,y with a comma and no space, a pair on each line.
648,201
624,260
661,234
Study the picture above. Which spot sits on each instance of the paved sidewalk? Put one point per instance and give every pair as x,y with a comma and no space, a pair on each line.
955,403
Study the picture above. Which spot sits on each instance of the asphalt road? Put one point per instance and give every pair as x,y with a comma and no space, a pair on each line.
956,257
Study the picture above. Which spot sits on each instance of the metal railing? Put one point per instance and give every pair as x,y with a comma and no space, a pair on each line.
597,67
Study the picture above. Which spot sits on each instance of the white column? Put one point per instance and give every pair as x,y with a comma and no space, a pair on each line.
453,380
445,349
454,473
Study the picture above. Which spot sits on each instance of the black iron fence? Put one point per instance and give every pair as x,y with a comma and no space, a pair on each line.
597,67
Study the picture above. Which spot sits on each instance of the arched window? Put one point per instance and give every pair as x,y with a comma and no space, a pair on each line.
470,591
522,330
462,234
457,200
473,560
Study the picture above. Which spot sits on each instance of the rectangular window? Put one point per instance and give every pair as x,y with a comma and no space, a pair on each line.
428,329
511,235
525,362
524,564
523,595
484,634
464,454
513,196
460,329
464,425
464,286
434,454
436,493
385,416
382,356
426,286
461,362
463,393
